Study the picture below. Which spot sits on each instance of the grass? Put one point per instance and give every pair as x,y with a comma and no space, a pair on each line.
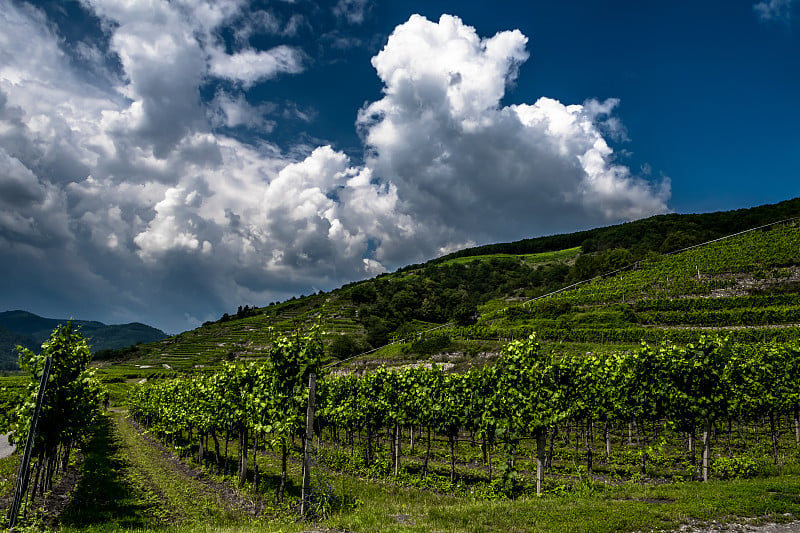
8,474
111,494
544,257
129,485
624,508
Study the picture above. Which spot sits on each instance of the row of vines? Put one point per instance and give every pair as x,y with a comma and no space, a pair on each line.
626,335
522,399
699,271
261,404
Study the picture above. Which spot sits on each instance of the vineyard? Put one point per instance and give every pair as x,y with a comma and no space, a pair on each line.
476,382
692,376
747,285
55,407
530,408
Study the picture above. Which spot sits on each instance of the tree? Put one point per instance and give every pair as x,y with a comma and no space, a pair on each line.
344,346
465,314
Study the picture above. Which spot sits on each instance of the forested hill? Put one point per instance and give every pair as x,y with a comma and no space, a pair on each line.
661,233
466,291
30,330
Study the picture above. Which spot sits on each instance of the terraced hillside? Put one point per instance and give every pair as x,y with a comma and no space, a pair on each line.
747,284
245,338
462,312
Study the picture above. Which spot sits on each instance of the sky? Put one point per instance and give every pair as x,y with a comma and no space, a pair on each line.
166,161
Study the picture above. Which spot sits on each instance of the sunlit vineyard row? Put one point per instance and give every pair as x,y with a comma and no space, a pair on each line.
677,392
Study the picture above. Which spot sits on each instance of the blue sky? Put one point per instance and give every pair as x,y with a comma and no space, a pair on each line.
164,162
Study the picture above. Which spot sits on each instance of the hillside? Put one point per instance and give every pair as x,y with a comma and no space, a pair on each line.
747,284
30,330
585,414
661,233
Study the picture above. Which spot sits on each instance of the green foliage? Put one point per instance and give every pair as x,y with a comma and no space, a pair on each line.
465,315
658,233
429,343
72,395
70,403
266,399
344,346
735,467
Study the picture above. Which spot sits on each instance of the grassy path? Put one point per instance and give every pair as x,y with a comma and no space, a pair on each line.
127,484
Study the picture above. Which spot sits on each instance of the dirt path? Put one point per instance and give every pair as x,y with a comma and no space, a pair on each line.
129,483
789,527
5,448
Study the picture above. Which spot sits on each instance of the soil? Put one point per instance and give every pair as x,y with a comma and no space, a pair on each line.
57,499
746,525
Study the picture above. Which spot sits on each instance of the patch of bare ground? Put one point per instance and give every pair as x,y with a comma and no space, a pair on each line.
748,284
58,498
744,525
742,284
648,500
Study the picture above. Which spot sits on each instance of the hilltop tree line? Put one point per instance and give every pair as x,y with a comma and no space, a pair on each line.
660,234
443,293
451,292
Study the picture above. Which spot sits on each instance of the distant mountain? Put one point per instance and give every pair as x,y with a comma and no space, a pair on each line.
29,330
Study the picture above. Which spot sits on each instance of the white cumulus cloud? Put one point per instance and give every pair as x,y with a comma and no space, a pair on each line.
251,66
129,185
469,168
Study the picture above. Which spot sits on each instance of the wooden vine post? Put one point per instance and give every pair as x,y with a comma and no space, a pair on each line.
541,441
21,486
706,448
307,443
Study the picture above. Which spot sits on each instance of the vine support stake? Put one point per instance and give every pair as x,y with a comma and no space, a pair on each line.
541,441
21,485
706,448
307,443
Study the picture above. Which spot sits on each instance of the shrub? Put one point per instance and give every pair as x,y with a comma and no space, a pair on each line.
735,467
